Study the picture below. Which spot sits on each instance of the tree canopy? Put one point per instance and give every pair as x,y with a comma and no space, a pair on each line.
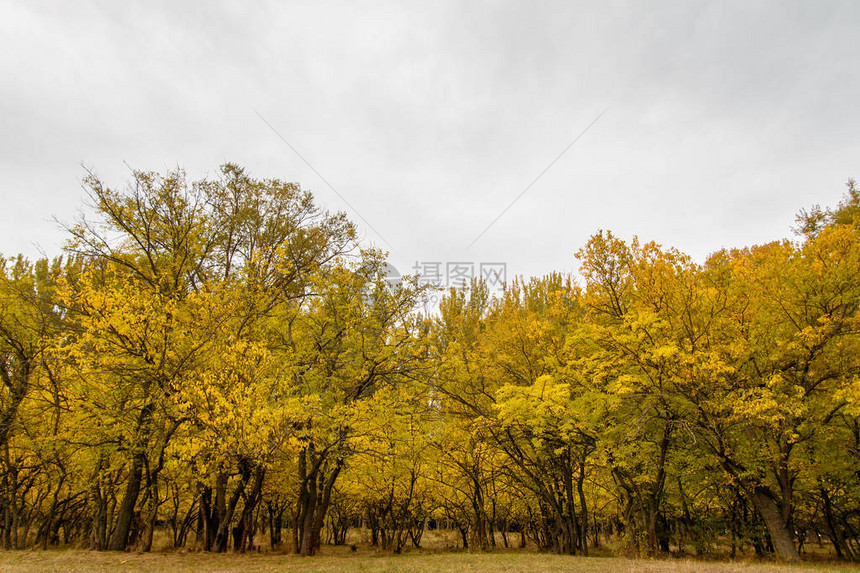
220,359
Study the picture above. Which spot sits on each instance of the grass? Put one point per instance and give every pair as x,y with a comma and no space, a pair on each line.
342,560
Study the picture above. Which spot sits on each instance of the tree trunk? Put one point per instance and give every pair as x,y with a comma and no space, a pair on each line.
222,536
251,501
119,539
322,508
780,535
99,530
276,520
839,545
568,521
583,509
149,525
313,499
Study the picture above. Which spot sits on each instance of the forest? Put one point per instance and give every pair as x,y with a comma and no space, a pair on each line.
219,364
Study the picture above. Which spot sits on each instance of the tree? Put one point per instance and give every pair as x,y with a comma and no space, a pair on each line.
356,336
30,321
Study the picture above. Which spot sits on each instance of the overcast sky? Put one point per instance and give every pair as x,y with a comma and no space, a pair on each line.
722,119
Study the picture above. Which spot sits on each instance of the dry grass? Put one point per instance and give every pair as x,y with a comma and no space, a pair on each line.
342,560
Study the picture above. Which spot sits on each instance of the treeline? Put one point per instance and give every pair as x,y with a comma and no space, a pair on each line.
218,361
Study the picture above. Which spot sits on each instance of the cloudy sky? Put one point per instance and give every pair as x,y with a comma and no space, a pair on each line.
722,119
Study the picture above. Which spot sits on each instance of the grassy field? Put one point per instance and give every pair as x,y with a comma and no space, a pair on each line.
342,560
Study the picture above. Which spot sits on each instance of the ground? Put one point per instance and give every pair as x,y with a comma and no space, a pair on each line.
342,560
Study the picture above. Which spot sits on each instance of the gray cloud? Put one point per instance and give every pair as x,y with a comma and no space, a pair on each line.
724,118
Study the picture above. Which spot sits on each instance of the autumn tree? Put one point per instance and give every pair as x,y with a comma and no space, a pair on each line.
355,336
219,357
30,321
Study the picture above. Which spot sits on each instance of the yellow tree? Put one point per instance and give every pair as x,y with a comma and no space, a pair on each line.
272,245
645,307
355,335
782,375
388,474
463,393
30,320
179,274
